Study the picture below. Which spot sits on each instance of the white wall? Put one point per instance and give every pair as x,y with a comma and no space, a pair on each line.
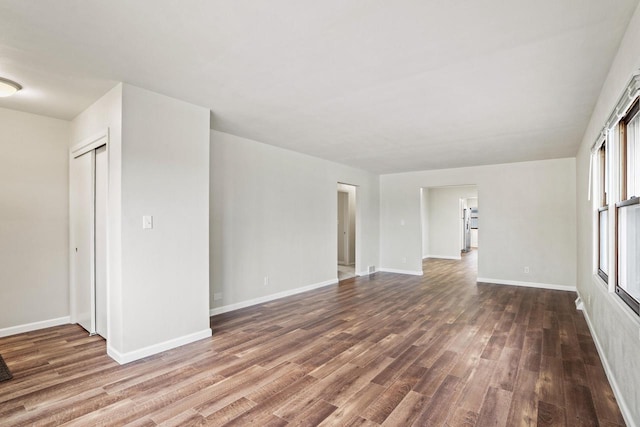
33,221
444,220
158,294
528,219
273,213
615,328
165,173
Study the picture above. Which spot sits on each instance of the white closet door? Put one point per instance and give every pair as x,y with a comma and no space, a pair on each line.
101,239
82,206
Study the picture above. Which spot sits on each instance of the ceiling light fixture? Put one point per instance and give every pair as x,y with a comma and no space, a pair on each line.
8,87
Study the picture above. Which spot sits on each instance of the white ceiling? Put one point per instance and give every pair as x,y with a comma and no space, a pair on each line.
380,85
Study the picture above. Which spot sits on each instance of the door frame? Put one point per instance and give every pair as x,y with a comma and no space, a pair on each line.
85,146
357,242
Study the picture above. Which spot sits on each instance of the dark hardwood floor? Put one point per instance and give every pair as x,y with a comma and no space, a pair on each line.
387,349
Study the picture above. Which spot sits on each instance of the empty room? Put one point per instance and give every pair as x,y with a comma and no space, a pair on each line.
339,213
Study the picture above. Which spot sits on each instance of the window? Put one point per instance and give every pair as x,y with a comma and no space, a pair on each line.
628,211
630,137
603,247
628,284
614,188
603,213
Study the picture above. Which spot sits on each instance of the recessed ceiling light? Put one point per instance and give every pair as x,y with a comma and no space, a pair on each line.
8,87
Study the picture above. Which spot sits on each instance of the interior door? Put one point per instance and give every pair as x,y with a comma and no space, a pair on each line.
101,240
82,206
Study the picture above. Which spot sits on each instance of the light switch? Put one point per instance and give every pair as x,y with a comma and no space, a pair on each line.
147,222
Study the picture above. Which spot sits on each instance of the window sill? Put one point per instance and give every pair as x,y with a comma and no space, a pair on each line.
600,282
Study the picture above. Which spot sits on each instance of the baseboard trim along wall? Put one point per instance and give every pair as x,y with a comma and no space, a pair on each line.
528,284
624,408
395,270
123,358
267,298
457,258
28,327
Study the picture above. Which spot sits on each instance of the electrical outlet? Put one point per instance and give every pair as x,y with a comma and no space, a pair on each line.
404,260
217,296
589,300
266,280
147,222
526,270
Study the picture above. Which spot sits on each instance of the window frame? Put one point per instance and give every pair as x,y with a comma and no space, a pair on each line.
614,192
625,200
603,190
604,276
632,112
624,295
601,204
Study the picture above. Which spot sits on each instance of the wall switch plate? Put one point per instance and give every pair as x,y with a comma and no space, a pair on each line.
147,222
526,270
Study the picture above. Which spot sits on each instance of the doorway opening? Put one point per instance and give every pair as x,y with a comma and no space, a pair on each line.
449,220
469,224
346,232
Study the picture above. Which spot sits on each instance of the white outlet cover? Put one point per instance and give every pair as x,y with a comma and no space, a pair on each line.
147,222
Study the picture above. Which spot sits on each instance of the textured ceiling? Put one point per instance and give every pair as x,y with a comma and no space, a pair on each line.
379,85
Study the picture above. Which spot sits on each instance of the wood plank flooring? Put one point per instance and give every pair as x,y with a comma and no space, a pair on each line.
387,350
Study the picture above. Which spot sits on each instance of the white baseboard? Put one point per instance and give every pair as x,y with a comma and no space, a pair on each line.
395,270
131,356
28,327
267,298
622,404
528,284
457,258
